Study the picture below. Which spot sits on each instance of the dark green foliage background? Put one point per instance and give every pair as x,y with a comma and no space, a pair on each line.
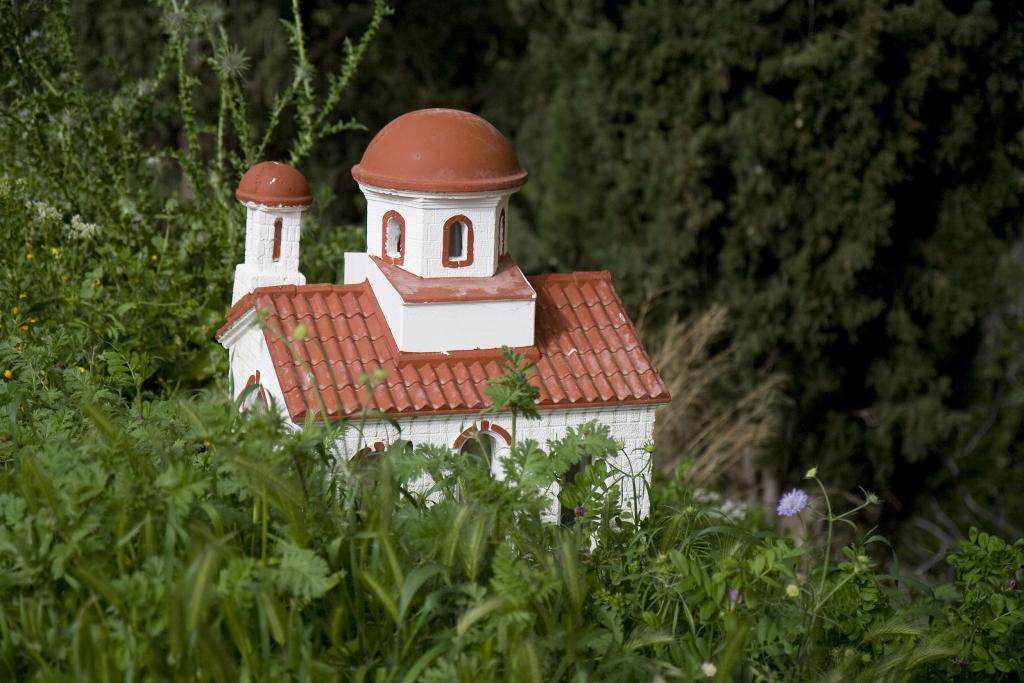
847,182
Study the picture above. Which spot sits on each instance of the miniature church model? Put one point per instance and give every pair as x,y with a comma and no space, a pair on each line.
429,305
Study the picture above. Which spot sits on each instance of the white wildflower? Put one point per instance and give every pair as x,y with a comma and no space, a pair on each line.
45,212
81,229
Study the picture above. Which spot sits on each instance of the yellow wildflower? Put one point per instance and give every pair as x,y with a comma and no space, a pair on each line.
14,310
28,256
8,374
81,370
154,258
24,328
811,473
792,590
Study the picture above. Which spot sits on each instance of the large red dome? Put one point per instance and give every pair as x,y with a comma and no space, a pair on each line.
440,150
272,183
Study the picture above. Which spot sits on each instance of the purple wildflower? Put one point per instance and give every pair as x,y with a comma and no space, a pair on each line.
1012,584
580,510
792,503
735,597
964,662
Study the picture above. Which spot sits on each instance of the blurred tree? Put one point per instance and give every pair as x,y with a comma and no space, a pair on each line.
844,176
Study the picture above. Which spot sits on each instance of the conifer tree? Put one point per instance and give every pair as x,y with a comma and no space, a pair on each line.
845,177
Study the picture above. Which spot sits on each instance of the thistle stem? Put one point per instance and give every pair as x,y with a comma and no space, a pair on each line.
828,541
264,514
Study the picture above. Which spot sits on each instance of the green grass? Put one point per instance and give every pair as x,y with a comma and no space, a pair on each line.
197,543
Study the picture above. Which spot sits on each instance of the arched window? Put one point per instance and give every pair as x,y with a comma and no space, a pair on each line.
482,442
502,235
365,453
278,229
480,447
256,398
457,243
392,248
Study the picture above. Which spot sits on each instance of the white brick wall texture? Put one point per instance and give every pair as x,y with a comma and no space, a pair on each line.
259,269
633,425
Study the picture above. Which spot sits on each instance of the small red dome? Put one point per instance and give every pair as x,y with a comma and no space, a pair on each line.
272,183
440,150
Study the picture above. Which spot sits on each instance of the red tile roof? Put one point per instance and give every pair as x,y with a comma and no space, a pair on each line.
587,352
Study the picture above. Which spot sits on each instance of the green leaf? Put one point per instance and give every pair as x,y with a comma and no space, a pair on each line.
477,613
413,581
381,595
302,573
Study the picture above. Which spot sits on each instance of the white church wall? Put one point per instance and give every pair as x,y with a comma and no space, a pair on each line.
447,326
632,425
259,269
462,325
248,355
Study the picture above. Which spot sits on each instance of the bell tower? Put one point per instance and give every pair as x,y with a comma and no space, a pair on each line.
274,196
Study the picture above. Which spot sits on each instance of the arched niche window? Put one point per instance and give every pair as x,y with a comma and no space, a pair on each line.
278,230
367,452
482,442
502,234
457,242
392,237
255,398
480,447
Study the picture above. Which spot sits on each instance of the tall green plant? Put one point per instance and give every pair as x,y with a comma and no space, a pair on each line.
133,240
513,391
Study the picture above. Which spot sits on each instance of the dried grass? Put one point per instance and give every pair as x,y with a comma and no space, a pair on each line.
715,430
